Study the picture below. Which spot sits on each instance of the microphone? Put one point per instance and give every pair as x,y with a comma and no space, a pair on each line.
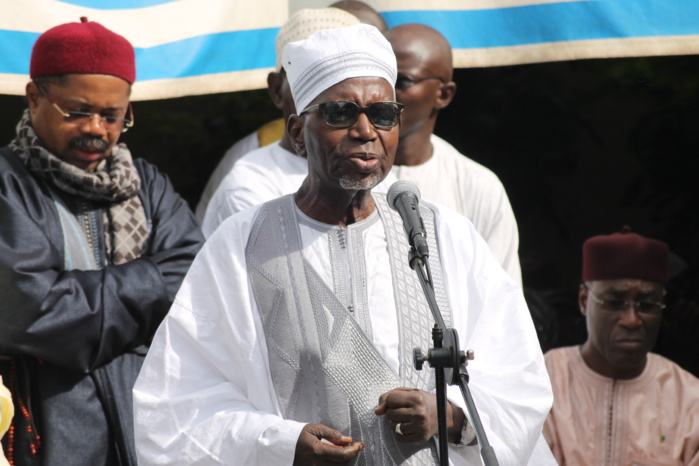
403,197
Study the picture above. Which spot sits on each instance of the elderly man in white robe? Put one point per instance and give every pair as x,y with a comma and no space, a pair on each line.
290,341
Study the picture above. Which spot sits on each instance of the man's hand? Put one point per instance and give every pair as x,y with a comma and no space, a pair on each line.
321,445
416,411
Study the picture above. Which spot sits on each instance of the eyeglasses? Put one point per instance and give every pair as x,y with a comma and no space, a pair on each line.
343,113
403,82
644,308
111,123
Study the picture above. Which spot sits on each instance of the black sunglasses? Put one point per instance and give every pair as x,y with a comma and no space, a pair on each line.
403,82
343,113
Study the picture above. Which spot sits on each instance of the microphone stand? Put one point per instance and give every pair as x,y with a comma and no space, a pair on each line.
449,363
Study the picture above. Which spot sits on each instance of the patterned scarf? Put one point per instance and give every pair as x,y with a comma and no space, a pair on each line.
115,181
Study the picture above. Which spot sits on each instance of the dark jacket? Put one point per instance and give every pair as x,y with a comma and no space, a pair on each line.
72,341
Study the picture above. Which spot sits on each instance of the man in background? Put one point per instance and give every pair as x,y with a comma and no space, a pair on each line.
442,174
615,402
364,12
94,244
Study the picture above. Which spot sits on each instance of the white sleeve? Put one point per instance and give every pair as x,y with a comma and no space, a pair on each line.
247,185
193,403
225,165
259,176
503,237
508,379
227,201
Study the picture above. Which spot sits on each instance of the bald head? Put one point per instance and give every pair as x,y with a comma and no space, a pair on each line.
422,46
364,12
424,86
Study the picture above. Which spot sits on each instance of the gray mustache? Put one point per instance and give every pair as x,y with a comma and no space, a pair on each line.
89,143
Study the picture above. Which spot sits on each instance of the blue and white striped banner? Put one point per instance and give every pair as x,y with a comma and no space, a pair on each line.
509,32
190,47
183,47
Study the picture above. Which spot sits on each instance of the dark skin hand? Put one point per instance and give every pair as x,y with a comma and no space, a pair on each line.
416,411
312,450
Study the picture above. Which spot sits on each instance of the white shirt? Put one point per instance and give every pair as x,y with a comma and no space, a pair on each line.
205,393
258,176
453,180
248,144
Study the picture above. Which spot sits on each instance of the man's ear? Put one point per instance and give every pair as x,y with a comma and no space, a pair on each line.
294,127
274,85
33,95
446,95
582,299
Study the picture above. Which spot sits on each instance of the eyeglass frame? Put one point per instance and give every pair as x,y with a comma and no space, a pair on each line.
634,304
413,81
126,122
360,109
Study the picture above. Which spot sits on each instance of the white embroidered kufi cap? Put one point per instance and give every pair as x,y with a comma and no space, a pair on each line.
305,22
328,57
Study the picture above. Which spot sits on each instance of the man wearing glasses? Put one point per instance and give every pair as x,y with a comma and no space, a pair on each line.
615,402
442,174
93,247
263,165
292,336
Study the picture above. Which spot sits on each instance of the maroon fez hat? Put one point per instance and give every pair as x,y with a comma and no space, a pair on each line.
82,48
624,255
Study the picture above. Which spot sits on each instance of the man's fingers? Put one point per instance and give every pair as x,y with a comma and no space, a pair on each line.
381,408
403,431
339,441
337,453
348,451
321,431
319,444
403,404
400,397
413,410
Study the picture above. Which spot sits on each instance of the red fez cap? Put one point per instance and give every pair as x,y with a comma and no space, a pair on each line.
82,48
624,255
